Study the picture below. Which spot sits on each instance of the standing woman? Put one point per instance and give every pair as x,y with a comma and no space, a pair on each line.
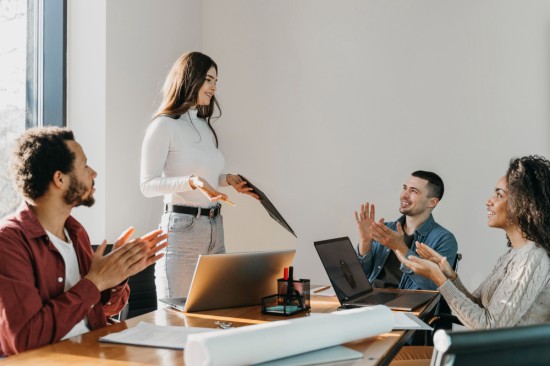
180,160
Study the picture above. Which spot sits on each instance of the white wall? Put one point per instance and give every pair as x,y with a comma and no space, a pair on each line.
119,53
328,104
86,100
325,104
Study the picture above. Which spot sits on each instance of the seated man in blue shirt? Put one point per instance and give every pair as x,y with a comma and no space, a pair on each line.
378,240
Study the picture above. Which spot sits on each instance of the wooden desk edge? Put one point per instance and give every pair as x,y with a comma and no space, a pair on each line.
88,348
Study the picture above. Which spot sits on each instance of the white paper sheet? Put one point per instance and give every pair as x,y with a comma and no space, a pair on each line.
270,341
146,334
404,321
325,355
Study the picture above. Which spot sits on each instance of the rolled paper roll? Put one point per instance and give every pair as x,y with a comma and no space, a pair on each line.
270,341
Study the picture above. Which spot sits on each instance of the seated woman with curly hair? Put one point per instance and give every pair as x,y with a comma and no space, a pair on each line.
517,291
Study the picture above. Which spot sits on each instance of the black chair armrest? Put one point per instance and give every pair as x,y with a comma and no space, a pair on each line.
441,319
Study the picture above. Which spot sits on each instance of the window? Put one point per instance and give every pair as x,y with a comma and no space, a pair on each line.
32,76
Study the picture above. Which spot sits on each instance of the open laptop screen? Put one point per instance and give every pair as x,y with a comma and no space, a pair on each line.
235,279
343,268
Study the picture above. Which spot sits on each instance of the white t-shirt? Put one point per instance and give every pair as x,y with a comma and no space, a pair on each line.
72,276
175,149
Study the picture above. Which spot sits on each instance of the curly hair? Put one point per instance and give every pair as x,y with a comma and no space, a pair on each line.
528,207
37,155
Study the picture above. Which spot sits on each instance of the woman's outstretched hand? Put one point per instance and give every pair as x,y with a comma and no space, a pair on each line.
209,192
423,267
428,253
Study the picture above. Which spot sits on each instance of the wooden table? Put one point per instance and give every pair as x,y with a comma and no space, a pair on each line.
87,350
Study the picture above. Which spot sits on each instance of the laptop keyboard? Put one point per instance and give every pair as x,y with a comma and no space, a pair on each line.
378,298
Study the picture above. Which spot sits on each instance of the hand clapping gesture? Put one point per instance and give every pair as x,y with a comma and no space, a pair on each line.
428,253
389,238
126,259
364,220
426,267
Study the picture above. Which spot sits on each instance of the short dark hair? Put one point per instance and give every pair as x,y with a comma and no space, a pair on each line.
37,155
436,188
528,180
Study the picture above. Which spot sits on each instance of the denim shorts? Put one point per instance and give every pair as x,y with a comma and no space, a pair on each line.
188,236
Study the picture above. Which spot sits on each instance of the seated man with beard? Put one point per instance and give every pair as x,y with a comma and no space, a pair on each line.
52,286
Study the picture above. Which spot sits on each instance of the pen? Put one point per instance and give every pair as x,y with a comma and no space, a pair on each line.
214,194
321,289
290,284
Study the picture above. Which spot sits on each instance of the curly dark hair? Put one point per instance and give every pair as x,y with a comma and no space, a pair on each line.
38,154
528,180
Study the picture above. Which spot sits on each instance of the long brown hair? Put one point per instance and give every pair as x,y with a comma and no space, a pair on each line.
182,85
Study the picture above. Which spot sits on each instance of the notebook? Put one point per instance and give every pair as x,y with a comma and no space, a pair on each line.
231,280
351,284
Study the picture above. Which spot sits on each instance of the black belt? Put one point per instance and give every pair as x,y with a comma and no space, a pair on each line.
195,211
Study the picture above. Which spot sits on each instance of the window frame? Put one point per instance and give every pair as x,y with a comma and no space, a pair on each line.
46,84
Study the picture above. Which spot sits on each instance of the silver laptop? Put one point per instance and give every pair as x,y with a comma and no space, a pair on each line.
232,280
351,284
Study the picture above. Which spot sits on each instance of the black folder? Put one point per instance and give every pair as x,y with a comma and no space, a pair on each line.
269,207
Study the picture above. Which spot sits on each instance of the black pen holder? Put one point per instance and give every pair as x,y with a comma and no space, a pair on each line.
288,302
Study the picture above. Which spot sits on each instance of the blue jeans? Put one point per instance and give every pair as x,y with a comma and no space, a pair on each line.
188,236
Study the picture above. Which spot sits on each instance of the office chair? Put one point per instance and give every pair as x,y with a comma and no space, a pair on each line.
143,293
524,345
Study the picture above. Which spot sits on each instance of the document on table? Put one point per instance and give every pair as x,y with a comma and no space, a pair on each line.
150,335
325,355
405,321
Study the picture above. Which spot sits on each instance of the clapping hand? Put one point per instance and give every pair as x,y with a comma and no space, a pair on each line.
428,253
126,259
364,219
389,238
423,267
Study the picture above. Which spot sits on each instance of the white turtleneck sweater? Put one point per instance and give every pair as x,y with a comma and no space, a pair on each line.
516,292
175,149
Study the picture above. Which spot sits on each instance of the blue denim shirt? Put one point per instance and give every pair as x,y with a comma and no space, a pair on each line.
430,233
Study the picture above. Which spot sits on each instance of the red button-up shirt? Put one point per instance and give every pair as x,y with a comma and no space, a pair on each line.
34,308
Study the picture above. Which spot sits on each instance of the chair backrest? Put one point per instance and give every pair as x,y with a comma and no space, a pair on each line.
442,306
143,293
525,345
458,258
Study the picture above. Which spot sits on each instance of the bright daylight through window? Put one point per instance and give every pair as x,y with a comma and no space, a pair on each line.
32,76
13,64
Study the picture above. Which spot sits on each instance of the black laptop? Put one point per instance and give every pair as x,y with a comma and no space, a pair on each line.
351,284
